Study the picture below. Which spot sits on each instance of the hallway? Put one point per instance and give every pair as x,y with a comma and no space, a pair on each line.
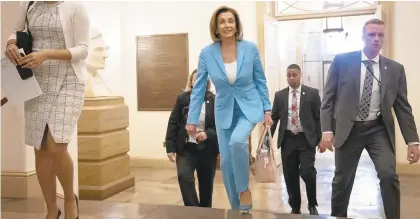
156,189
152,186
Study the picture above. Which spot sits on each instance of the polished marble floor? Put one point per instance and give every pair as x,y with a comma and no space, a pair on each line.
113,210
156,195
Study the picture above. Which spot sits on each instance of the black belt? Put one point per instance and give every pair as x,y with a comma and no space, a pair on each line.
376,121
290,133
194,146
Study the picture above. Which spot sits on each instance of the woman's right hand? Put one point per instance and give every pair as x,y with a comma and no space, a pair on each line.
191,129
12,53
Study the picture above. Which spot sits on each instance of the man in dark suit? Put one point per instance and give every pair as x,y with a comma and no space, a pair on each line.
297,109
361,89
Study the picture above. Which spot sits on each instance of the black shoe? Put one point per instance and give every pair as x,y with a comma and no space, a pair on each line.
312,210
294,211
58,214
77,205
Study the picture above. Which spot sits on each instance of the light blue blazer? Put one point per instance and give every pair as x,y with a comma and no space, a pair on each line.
249,89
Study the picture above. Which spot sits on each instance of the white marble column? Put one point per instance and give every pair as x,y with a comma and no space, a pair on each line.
406,47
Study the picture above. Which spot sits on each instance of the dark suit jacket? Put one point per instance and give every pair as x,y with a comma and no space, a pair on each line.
309,109
177,136
342,93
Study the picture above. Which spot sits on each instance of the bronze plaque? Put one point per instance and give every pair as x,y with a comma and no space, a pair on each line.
162,70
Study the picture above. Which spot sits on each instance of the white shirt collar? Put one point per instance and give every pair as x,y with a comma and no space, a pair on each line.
365,58
298,89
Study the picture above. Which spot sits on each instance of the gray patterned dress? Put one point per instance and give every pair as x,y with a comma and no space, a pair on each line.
60,105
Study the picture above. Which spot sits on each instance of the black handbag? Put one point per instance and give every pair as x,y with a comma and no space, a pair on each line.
24,41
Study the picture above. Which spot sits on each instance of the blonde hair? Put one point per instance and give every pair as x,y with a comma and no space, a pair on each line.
213,23
189,85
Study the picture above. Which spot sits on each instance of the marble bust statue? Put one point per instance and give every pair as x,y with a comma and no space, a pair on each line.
98,52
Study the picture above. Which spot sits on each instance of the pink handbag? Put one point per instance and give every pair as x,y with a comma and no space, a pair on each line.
265,167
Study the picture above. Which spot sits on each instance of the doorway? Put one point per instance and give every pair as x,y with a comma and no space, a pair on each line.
304,42
307,45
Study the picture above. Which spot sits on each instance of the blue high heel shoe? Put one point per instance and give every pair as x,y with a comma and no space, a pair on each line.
246,209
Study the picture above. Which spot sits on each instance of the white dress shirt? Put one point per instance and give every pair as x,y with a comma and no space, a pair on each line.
375,101
289,108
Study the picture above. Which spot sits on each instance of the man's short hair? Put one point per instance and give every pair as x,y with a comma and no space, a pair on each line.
294,66
373,21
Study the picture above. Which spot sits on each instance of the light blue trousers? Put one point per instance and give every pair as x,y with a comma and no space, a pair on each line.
234,155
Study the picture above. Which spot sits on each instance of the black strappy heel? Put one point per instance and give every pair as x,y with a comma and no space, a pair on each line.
59,213
77,205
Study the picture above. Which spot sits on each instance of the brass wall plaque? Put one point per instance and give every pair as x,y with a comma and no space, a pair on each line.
162,70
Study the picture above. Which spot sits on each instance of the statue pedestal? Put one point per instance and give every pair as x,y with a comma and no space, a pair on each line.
104,165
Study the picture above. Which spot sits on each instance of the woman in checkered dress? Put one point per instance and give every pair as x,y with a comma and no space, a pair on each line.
60,32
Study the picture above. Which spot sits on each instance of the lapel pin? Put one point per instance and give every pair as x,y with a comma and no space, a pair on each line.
207,101
303,93
385,67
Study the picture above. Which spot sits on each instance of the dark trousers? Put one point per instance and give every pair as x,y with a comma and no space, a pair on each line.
373,137
189,160
298,159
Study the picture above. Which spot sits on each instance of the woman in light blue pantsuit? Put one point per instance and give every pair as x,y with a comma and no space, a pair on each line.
234,67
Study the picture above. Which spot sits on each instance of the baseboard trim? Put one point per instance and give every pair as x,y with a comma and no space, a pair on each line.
154,163
20,185
408,169
18,174
105,191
